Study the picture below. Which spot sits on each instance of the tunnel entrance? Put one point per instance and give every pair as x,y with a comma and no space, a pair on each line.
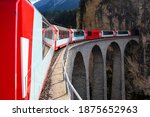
96,75
114,75
79,77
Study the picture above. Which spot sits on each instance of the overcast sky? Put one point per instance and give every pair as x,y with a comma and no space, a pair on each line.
33,1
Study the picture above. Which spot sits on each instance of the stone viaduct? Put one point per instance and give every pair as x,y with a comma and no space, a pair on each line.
85,64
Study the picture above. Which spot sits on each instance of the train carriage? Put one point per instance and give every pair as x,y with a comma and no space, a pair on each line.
76,35
107,33
93,34
61,36
121,33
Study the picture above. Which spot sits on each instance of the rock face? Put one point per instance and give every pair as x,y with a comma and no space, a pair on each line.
112,14
132,15
87,14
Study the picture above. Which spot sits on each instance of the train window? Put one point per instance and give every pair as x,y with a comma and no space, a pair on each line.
63,34
89,33
47,35
78,33
122,32
107,32
45,49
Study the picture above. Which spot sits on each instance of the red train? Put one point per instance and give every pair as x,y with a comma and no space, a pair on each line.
29,42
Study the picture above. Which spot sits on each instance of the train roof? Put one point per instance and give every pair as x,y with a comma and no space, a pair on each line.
77,29
60,28
50,27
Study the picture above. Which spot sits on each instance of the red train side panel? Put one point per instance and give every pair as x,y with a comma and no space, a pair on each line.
7,49
14,25
93,34
26,27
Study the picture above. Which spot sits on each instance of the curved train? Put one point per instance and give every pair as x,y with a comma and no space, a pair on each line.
61,36
28,44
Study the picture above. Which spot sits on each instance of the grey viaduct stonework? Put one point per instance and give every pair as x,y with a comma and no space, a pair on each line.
86,67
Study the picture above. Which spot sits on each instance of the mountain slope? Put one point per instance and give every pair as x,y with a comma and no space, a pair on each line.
56,5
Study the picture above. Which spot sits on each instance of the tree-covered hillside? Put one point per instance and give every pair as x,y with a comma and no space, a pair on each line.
62,18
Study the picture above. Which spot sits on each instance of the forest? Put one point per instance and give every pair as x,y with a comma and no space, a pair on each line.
65,18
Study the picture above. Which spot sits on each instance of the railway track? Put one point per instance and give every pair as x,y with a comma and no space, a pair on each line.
45,93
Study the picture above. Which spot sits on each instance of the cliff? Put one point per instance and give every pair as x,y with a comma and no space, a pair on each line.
112,14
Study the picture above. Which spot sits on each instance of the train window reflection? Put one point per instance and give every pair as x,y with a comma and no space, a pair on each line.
78,33
63,34
47,36
107,32
122,32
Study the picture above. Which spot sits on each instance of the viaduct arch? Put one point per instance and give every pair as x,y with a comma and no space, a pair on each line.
86,67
